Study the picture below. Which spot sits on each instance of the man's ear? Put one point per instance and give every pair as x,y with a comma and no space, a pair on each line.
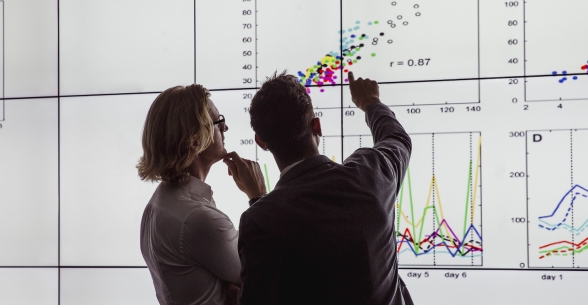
260,142
316,127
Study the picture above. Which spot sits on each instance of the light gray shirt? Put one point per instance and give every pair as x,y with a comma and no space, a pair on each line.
190,246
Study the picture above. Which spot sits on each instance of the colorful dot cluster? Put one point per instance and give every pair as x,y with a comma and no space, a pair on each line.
323,71
564,79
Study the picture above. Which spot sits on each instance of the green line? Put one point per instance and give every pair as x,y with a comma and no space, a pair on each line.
411,206
399,213
423,226
416,239
269,188
465,217
564,254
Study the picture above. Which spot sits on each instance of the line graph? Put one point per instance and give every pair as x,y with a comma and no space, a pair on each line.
439,206
565,207
456,244
435,225
554,163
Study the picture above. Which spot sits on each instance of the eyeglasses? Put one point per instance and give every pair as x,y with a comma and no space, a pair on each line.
221,123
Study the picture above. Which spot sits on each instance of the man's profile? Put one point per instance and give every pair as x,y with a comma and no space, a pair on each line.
325,234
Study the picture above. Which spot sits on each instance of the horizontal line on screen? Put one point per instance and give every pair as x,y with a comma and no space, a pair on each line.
73,267
312,86
438,267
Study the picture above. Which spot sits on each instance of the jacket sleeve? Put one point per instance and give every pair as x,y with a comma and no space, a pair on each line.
390,140
261,262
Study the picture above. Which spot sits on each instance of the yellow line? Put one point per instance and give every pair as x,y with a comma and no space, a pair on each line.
426,206
432,184
441,206
436,186
477,176
439,198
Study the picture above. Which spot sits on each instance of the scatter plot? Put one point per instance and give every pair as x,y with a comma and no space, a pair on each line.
547,28
563,78
323,72
405,46
394,44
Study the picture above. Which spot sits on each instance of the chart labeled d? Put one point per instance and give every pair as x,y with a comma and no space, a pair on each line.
557,176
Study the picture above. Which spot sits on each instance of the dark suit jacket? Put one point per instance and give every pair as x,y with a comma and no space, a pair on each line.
325,234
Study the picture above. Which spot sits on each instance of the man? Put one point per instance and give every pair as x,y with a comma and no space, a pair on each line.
325,234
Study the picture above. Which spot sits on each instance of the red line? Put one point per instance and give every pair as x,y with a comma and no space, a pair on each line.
565,242
406,231
407,234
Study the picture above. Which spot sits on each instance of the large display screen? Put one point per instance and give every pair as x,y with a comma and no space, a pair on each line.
494,94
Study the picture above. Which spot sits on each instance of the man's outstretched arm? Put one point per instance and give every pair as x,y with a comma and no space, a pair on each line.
390,138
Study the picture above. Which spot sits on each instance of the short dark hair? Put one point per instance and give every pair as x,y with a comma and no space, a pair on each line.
281,113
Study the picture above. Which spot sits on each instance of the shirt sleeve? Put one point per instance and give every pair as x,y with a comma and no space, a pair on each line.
261,260
210,240
390,140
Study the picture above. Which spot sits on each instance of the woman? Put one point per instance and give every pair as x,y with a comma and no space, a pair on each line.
190,246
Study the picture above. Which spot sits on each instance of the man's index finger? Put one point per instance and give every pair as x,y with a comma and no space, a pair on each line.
351,77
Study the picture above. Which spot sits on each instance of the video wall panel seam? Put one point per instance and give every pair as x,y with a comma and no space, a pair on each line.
481,79
2,95
58,153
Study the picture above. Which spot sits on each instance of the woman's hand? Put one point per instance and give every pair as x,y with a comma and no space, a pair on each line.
247,175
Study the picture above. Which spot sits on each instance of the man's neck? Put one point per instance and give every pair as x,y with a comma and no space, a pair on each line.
282,164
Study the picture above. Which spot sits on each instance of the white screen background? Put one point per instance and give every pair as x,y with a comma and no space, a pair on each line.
78,78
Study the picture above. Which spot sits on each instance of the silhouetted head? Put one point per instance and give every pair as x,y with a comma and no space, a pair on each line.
283,119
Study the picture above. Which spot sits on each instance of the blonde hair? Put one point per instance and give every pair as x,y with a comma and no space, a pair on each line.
178,127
